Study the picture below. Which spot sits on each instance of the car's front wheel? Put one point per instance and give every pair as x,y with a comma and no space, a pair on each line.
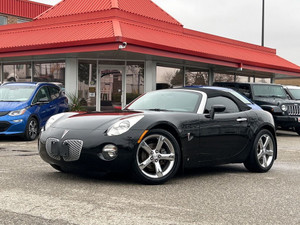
157,157
31,130
263,152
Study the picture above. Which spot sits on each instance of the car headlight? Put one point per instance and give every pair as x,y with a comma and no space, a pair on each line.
18,112
52,119
123,125
284,108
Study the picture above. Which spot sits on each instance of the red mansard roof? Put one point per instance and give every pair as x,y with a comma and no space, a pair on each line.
22,8
97,25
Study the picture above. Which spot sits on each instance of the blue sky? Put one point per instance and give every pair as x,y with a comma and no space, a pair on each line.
240,20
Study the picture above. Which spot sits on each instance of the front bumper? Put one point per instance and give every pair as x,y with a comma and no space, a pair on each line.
10,125
87,158
287,121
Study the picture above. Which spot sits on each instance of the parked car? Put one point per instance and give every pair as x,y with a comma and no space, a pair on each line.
26,107
272,98
161,132
293,92
235,93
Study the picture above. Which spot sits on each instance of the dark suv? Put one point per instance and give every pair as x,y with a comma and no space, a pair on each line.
272,98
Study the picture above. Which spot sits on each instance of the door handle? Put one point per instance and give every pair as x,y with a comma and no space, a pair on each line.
241,119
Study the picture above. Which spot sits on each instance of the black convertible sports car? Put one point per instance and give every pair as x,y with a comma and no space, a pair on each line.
161,132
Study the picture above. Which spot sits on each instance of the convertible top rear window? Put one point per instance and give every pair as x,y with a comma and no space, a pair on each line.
178,101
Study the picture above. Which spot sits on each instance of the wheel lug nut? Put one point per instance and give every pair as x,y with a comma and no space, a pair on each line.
151,158
159,156
156,160
156,151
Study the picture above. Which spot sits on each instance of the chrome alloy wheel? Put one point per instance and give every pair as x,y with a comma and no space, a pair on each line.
265,150
32,130
155,156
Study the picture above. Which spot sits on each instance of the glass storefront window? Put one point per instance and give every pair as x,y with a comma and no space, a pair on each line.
262,80
49,72
219,77
195,76
87,81
17,73
134,80
168,77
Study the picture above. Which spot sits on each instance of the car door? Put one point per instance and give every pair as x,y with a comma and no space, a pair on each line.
56,103
44,108
224,136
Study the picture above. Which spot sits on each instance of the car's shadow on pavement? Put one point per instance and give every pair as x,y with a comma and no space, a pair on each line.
127,179
11,139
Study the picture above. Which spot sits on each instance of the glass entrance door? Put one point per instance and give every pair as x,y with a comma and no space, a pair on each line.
110,89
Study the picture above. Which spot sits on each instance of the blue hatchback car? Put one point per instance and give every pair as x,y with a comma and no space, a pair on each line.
26,107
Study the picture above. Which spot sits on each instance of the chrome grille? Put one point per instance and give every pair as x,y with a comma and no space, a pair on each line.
294,110
74,148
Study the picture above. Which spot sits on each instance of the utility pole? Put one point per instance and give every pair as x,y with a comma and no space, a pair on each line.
263,23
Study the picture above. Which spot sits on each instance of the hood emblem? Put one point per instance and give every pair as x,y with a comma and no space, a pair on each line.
64,134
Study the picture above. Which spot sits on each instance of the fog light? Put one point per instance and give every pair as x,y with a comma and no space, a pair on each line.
18,121
109,152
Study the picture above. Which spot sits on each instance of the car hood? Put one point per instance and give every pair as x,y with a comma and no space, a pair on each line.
91,121
273,101
11,106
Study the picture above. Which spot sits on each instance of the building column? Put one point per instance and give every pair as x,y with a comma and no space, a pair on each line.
273,79
150,76
71,76
211,77
1,72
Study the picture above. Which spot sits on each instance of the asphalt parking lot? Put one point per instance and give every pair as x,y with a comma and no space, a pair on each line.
31,192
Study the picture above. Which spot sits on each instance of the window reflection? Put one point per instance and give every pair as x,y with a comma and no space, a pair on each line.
195,77
87,76
49,72
134,80
17,73
168,77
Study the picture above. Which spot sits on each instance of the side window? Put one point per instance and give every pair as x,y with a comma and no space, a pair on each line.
54,92
42,95
231,106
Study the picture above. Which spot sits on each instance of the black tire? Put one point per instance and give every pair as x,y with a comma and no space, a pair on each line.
297,130
31,130
57,168
263,152
157,158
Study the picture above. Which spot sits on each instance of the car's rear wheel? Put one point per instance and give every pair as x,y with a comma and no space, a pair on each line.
297,130
263,152
157,157
31,130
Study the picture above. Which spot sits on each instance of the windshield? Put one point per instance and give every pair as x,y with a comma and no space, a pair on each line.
179,101
15,93
295,93
269,91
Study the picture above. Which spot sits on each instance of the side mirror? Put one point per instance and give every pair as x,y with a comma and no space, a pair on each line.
215,109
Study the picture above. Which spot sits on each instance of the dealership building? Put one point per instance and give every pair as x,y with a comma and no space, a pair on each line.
110,51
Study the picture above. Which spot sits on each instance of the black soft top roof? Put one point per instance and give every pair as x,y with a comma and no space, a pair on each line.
211,92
